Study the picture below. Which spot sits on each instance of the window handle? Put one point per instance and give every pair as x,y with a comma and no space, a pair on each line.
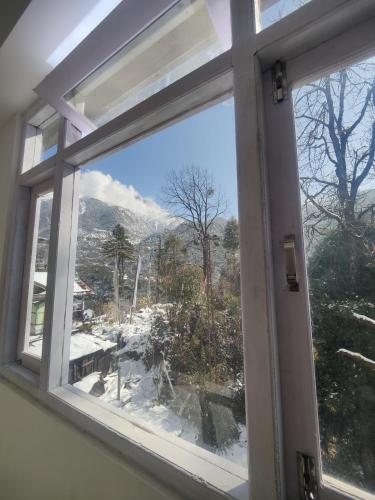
290,262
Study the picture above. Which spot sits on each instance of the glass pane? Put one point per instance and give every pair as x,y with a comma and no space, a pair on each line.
271,11
38,274
335,131
187,36
40,142
157,314
49,138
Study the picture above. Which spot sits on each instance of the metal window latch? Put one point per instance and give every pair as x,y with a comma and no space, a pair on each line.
290,262
308,485
279,82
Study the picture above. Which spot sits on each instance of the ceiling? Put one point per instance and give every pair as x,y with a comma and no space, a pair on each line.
29,33
10,12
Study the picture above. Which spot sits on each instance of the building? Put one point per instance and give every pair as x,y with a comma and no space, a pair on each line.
81,291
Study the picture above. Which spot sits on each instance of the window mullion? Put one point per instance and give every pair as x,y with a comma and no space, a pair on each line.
259,342
58,319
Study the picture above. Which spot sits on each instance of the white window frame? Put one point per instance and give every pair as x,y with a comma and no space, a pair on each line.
29,360
243,69
297,373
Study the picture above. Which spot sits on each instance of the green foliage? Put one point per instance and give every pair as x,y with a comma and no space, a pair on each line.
341,267
179,336
342,283
179,281
229,341
231,240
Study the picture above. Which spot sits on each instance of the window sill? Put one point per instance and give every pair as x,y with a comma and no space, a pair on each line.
345,489
187,469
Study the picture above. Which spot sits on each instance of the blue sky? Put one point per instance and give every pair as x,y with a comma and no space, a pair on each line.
206,139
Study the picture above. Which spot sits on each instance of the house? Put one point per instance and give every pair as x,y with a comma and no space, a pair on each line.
80,293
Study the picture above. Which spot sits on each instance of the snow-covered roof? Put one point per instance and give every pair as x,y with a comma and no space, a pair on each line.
80,288
81,344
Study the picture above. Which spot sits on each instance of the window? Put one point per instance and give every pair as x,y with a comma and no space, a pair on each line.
187,36
40,141
156,299
335,136
125,311
36,272
271,11
147,48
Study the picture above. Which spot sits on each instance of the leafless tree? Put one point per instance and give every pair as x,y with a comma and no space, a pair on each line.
335,126
193,197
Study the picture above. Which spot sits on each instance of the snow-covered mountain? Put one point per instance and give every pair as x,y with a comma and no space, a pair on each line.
96,221
97,218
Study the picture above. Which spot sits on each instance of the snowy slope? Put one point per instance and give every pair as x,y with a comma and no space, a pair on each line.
138,395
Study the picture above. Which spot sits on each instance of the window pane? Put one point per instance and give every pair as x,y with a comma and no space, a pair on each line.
40,142
271,11
38,274
50,138
336,145
157,314
187,36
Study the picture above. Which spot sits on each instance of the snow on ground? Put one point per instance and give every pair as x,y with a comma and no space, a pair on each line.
136,333
138,395
87,383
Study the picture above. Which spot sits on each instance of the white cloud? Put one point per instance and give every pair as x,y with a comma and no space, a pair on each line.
95,184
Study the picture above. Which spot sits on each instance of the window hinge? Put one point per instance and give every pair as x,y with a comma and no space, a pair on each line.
279,82
308,486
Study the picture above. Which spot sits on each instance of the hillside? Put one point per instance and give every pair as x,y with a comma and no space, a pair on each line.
96,221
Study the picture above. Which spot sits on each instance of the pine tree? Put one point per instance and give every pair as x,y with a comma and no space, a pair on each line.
231,239
119,248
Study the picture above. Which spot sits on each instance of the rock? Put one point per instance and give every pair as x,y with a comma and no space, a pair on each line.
186,404
225,427
98,389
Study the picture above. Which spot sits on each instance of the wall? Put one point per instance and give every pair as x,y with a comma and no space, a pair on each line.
42,457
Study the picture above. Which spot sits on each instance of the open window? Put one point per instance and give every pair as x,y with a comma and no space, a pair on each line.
158,43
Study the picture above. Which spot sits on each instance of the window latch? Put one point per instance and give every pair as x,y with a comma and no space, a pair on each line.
290,263
279,82
308,486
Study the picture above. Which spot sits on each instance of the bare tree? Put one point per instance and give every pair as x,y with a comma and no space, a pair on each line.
192,196
335,123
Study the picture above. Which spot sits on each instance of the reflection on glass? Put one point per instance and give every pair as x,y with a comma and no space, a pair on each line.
156,307
186,37
271,11
336,146
39,271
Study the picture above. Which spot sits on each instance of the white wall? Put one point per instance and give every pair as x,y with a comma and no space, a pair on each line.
42,457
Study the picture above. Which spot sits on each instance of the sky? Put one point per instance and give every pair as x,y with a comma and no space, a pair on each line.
206,139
